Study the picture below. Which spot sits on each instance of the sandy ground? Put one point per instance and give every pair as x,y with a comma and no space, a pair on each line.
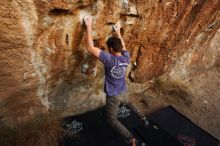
203,114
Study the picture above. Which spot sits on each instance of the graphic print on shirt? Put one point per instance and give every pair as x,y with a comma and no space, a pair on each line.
119,70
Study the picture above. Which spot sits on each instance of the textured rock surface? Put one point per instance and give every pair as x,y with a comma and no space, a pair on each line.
45,67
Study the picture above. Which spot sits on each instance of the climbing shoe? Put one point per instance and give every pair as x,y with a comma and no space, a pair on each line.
145,122
137,142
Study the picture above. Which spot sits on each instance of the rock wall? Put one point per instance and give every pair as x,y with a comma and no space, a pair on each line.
174,46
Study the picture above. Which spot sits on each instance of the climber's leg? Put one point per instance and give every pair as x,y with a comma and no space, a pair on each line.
125,100
112,104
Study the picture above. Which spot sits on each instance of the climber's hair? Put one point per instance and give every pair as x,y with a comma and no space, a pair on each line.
115,44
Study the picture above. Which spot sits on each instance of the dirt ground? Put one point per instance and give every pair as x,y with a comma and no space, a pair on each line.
201,112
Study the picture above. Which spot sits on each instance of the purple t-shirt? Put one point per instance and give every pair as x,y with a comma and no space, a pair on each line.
115,70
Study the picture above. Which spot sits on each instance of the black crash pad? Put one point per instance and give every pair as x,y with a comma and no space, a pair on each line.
154,135
91,129
183,129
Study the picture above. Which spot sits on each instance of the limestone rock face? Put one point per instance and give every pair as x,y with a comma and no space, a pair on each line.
45,66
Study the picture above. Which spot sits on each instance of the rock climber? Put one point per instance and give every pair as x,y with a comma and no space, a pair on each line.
115,64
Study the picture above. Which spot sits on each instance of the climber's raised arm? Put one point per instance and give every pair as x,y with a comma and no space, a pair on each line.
117,28
90,47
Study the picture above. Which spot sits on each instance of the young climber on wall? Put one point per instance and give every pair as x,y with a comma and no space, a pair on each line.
115,64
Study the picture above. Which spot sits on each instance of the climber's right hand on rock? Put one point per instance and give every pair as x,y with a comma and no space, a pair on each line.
88,21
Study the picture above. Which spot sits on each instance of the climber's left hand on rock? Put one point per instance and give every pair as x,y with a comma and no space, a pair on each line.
117,28
88,21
